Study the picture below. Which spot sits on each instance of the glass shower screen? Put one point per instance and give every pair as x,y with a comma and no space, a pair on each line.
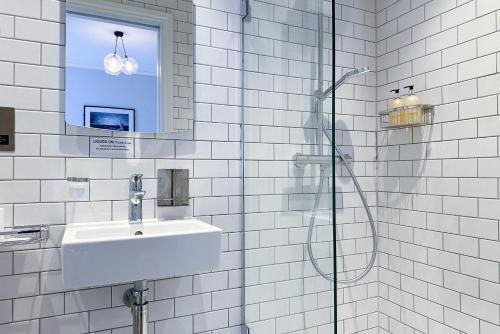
296,185
288,167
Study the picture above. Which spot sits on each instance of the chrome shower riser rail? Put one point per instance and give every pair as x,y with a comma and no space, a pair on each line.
340,155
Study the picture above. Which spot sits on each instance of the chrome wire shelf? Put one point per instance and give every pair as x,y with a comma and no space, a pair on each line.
24,235
415,115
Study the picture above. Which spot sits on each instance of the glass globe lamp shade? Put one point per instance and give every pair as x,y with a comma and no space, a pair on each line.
113,64
130,66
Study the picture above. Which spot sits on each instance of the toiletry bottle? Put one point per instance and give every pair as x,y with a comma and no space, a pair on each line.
415,115
396,102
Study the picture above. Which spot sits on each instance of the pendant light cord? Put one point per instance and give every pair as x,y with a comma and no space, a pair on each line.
124,50
116,43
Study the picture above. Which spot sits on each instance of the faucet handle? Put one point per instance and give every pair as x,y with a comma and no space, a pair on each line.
137,197
140,194
136,181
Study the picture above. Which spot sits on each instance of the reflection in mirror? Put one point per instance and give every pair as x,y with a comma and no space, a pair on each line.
124,71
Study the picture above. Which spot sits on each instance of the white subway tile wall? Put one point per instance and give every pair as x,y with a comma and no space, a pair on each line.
33,188
438,209
438,200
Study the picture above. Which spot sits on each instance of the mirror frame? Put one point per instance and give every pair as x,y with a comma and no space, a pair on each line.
165,22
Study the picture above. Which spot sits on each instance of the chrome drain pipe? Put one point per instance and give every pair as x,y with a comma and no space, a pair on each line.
136,299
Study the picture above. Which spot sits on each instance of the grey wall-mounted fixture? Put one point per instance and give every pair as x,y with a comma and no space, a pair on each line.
7,129
173,187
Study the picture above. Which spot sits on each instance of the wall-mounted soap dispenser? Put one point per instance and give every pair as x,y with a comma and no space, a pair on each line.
393,104
415,115
173,187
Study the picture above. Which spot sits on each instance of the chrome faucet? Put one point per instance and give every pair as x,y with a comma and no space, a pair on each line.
135,199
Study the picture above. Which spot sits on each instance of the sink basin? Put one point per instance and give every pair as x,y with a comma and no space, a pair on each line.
116,252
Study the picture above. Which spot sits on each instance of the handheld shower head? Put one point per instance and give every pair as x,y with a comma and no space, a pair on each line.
351,74
359,71
342,80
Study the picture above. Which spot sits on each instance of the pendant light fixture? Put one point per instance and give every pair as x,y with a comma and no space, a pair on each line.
114,64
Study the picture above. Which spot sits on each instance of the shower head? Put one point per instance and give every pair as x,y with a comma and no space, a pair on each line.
351,74
342,80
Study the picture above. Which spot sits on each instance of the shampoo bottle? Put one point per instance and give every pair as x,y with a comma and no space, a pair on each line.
396,102
415,115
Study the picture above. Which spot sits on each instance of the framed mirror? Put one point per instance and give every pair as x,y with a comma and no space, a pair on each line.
128,68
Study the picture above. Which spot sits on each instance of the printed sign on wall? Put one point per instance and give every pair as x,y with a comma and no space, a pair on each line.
110,147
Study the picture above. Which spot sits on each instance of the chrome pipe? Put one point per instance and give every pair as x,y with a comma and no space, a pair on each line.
318,102
136,299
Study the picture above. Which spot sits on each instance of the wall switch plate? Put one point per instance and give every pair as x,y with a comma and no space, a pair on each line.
7,129
173,187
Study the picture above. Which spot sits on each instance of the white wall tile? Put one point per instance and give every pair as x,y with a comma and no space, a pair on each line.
480,309
425,29
38,213
39,168
459,53
29,8
87,300
39,31
460,91
458,15
70,323
37,260
38,306
477,68
29,327
485,6
476,28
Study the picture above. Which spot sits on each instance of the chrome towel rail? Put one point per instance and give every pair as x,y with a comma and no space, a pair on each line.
23,235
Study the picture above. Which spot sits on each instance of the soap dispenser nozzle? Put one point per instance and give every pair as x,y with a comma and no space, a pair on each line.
410,88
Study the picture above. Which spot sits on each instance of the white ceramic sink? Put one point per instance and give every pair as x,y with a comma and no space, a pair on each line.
116,252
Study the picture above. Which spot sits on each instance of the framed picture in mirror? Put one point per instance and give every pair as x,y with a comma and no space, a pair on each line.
109,118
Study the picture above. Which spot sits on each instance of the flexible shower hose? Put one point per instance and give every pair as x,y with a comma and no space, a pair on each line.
317,199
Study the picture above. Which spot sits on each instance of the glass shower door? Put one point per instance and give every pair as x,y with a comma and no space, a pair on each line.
283,191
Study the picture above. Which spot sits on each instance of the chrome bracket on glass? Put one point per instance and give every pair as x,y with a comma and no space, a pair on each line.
23,235
304,159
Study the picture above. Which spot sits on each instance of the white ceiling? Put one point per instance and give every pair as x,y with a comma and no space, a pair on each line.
90,39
